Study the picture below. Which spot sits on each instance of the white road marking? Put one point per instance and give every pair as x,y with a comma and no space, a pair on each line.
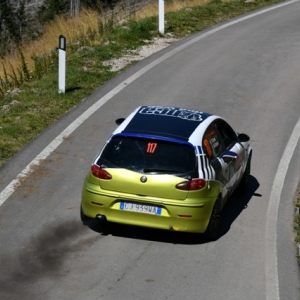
272,285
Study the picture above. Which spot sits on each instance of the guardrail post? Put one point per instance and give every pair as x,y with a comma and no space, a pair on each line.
62,65
161,19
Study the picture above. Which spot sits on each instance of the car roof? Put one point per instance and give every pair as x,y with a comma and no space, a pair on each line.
164,121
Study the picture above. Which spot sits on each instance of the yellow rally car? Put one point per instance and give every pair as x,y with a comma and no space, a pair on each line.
168,168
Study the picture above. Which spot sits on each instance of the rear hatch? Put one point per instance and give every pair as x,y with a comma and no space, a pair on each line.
129,182
147,167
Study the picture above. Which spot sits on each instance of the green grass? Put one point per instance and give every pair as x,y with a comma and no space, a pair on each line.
297,220
39,104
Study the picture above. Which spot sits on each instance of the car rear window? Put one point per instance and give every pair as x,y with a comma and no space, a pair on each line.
148,156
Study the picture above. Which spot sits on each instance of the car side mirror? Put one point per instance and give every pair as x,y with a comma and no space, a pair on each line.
243,137
120,121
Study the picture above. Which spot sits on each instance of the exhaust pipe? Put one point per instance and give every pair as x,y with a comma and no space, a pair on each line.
101,218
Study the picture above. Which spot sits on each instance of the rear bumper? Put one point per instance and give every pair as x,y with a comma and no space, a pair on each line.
175,215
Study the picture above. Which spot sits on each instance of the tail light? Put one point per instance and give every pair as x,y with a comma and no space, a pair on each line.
100,173
191,185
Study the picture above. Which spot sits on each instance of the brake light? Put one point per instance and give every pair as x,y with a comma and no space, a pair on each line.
100,173
191,185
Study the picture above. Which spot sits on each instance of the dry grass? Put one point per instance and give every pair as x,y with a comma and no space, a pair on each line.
71,28
86,22
152,9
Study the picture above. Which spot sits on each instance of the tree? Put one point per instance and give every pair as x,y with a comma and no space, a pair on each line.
21,18
74,7
10,34
9,22
51,8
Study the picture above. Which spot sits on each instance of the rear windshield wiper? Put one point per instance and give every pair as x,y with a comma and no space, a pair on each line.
104,163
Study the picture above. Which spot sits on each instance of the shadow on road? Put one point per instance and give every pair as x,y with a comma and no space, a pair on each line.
236,204
234,207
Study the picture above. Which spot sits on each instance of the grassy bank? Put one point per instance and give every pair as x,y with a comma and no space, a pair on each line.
297,221
26,113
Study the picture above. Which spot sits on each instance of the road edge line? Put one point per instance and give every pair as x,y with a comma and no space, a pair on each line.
272,280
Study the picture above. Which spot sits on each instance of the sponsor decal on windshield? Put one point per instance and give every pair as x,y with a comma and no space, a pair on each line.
186,114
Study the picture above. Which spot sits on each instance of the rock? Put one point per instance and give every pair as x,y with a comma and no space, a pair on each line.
31,7
15,92
5,108
85,48
14,102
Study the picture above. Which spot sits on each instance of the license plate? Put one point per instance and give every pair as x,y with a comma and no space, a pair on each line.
142,208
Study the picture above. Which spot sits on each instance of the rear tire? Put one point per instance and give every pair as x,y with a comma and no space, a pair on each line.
213,229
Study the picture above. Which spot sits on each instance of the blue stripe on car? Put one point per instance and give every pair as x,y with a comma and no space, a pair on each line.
154,137
230,154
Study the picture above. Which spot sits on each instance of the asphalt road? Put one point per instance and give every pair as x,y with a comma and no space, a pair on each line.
246,70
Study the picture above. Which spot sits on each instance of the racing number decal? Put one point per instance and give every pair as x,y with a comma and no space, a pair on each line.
208,148
211,143
151,147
